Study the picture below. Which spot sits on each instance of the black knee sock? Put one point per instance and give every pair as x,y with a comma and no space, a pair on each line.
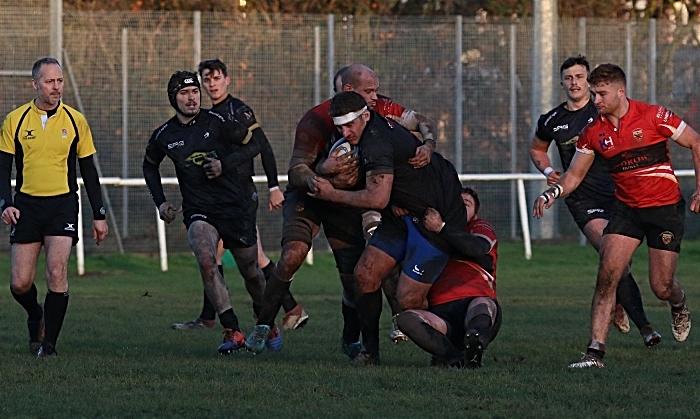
482,324
229,320
351,324
55,306
208,310
428,338
630,298
275,290
289,302
29,303
369,309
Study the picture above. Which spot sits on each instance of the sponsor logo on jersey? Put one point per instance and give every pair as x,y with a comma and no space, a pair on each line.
666,237
206,134
197,158
299,208
594,210
560,127
638,134
550,118
590,120
29,134
69,227
607,144
180,143
571,141
64,133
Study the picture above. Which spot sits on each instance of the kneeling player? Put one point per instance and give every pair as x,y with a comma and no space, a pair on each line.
463,315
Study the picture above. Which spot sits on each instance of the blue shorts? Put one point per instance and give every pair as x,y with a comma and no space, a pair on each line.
423,262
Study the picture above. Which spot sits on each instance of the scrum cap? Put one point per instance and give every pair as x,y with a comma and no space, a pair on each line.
179,81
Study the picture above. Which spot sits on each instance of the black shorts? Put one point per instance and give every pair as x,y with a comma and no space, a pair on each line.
251,193
42,216
454,312
301,211
585,209
236,232
662,226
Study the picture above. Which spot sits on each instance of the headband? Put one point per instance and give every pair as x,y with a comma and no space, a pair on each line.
349,117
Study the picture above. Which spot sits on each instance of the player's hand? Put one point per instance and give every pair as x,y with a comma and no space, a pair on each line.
99,230
10,215
276,199
432,221
168,211
422,157
320,188
347,178
542,203
398,211
694,202
212,167
553,177
335,164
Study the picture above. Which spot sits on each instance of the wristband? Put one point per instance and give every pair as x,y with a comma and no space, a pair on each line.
547,171
441,227
274,188
430,140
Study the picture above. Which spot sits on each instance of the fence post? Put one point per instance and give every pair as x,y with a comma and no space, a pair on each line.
125,131
459,94
331,52
197,38
652,60
56,28
513,126
80,246
628,59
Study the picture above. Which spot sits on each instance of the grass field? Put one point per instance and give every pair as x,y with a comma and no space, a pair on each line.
119,358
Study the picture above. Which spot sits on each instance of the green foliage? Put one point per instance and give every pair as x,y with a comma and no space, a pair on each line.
119,358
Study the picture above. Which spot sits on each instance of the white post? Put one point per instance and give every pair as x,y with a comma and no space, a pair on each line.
162,243
331,52
459,95
197,41
524,219
317,65
80,247
125,131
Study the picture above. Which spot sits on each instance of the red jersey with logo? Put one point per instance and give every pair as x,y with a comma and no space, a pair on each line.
316,129
472,277
638,153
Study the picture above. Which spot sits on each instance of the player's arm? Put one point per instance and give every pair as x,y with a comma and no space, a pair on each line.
240,135
91,180
690,138
374,196
7,144
415,121
467,244
540,158
151,172
270,167
568,182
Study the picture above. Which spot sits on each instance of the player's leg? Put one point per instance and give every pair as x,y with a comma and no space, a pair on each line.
482,323
58,249
24,258
204,240
429,331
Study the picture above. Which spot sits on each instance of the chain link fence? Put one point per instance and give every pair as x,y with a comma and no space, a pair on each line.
117,65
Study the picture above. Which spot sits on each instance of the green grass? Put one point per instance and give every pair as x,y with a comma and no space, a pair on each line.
119,358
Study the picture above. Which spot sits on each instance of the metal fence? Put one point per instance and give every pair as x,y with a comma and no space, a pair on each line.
472,77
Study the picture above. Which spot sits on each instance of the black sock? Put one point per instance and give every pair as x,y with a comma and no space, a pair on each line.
482,324
428,338
369,309
229,320
598,354
630,298
289,302
351,324
275,291
55,306
29,303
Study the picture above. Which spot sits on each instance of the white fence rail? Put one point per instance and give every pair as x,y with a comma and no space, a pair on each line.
519,178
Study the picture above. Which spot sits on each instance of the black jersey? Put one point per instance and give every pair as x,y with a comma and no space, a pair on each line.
235,109
386,147
563,127
207,135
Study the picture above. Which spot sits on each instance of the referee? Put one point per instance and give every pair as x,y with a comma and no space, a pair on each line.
45,137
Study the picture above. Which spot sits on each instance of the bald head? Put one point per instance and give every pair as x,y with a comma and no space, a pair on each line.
361,79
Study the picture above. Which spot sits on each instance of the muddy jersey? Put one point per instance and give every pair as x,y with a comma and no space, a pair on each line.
235,109
208,135
471,277
316,132
563,127
385,147
637,153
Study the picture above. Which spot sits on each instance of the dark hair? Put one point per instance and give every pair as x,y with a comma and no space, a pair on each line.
37,66
575,60
472,192
607,73
346,102
339,75
211,65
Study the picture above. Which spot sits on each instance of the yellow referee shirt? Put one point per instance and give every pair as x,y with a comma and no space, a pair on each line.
46,149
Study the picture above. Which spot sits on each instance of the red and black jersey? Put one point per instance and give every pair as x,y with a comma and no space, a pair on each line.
638,153
315,133
469,277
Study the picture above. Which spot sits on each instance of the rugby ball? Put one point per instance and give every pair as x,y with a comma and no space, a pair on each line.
343,146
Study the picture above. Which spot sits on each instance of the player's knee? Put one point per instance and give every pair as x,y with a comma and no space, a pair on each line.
20,287
293,255
346,259
56,272
367,282
411,301
662,291
409,321
479,306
